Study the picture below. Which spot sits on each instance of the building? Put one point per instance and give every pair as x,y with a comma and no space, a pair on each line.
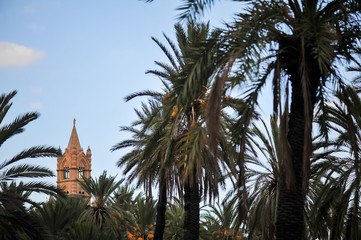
73,165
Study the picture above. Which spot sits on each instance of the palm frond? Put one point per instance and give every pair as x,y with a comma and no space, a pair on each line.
191,8
16,126
24,171
33,152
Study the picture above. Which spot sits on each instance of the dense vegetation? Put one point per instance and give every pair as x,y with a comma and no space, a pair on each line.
294,176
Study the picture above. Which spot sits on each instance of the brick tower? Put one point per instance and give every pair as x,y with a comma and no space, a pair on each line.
73,165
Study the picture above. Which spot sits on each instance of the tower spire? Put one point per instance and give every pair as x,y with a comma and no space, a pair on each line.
74,140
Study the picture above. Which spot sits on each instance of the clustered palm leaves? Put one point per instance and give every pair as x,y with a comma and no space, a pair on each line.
100,190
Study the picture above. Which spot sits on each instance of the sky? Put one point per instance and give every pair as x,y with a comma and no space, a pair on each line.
79,59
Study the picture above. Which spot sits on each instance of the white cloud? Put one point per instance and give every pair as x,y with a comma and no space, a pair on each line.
36,105
12,54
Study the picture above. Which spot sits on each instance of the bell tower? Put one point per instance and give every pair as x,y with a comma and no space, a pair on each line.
73,165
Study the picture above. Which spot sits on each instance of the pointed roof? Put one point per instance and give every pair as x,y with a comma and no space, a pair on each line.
74,140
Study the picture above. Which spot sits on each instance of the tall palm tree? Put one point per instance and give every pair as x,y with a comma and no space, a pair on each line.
185,108
180,136
263,174
264,161
12,211
148,162
295,43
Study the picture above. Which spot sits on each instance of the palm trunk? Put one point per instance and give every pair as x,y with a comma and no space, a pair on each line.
161,209
355,225
191,207
355,150
290,211
296,57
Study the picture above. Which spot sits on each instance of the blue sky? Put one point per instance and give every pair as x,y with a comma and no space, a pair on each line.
79,59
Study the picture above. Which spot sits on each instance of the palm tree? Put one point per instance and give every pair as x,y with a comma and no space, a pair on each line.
185,108
340,198
174,220
15,221
101,190
263,174
124,203
148,162
264,177
13,214
57,215
177,141
84,230
221,221
264,160
294,43
145,216
15,189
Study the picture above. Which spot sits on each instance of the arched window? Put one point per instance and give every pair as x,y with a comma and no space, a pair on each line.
66,173
81,173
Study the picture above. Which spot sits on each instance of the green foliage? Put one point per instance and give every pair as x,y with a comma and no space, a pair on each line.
338,202
219,219
174,221
145,213
86,230
58,214
15,222
100,191
184,138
